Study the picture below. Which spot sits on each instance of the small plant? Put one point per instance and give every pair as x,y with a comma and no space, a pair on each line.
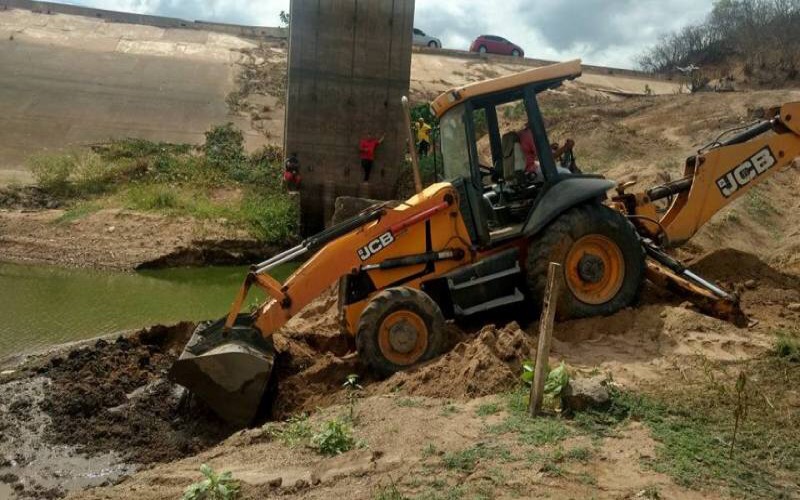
429,450
353,393
335,438
740,412
557,378
213,487
450,409
296,430
787,348
389,492
409,403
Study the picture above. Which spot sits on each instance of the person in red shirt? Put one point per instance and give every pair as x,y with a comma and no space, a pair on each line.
529,149
531,155
291,173
366,149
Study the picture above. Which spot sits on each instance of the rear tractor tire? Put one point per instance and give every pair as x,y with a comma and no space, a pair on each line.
602,260
399,328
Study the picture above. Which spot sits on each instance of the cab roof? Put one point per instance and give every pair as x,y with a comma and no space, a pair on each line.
455,96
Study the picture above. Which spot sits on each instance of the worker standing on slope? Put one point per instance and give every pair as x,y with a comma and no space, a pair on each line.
423,137
366,148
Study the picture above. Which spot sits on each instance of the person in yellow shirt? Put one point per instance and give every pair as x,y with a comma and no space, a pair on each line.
423,137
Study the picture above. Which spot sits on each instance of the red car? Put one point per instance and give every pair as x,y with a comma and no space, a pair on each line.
496,45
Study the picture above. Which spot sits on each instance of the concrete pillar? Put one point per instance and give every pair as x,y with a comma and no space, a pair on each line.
349,65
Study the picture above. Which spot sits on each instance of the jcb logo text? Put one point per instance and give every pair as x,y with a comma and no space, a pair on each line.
375,245
740,176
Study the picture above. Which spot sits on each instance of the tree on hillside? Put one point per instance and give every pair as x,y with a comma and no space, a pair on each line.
761,35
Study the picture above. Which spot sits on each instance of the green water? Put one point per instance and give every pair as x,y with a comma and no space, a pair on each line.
43,305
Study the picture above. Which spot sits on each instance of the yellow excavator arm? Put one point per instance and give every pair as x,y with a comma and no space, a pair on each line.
719,174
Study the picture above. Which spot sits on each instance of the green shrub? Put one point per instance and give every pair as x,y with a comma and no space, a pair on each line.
335,438
138,148
152,197
272,218
213,487
52,172
92,175
787,348
224,147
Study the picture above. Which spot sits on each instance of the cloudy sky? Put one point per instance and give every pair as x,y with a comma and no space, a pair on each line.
607,32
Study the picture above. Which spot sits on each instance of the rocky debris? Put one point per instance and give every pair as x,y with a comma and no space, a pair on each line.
27,198
751,284
583,394
227,252
794,307
346,207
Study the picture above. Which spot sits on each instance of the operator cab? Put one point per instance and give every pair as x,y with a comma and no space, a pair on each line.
482,149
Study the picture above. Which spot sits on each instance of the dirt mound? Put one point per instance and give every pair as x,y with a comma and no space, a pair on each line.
734,266
487,363
114,396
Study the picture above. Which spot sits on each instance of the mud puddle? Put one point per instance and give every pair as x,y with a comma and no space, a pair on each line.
94,414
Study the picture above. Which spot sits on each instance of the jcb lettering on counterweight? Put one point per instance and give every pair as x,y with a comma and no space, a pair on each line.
740,176
376,245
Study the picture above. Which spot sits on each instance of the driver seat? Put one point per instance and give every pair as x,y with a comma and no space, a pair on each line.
513,158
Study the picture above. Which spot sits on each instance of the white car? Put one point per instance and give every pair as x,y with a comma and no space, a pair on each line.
420,38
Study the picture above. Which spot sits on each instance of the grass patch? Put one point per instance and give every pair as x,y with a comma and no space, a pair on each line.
758,205
177,179
295,431
389,492
487,409
449,409
693,423
787,348
77,212
535,431
467,459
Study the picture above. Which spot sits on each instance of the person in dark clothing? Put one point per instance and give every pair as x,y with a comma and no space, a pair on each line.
366,149
291,173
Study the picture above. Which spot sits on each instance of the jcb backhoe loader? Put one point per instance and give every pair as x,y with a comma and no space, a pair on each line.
470,245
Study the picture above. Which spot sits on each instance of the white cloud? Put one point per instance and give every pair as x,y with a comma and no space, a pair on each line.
609,32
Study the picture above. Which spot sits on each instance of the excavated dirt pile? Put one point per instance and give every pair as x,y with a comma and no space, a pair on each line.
486,363
114,396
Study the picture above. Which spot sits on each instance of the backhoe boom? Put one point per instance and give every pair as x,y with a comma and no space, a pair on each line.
718,175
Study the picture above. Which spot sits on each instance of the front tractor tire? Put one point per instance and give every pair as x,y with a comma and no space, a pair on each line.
602,260
399,328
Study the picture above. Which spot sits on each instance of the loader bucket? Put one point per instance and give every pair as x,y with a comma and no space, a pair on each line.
229,370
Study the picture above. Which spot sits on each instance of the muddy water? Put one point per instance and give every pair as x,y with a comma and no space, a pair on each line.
42,305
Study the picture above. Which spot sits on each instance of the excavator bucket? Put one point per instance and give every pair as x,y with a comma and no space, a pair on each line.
228,370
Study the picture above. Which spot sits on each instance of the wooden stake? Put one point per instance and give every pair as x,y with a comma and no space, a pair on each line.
540,372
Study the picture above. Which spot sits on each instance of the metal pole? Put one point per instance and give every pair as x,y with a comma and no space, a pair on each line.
411,149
